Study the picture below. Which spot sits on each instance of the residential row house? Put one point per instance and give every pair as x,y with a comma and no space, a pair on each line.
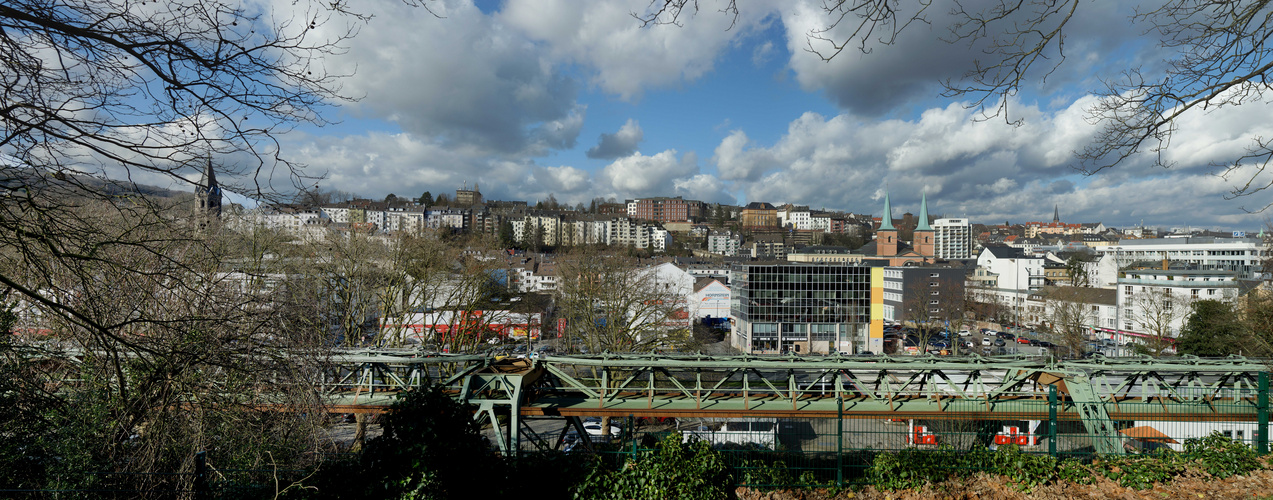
556,229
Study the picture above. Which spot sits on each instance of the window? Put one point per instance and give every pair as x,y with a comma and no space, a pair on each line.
932,275
932,283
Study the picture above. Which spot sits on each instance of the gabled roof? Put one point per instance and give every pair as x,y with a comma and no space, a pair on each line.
704,282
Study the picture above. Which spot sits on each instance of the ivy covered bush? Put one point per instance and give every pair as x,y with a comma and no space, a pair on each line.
671,470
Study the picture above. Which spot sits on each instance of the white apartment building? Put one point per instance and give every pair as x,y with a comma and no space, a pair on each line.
820,221
724,243
1151,299
338,215
952,239
1240,255
798,219
408,221
619,231
660,239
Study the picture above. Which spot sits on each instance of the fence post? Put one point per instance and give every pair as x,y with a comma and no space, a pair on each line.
839,442
201,475
632,434
1262,426
1052,420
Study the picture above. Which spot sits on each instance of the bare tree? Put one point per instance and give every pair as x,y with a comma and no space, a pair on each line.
180,332
1158,313
932,309
1070,315
174,348
611,304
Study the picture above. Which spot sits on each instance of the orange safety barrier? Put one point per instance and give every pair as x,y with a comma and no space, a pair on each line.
1001,439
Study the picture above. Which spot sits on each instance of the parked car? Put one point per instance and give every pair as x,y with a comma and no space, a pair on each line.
1023,340
964,333
985,341
1006,336
593,427
1000,343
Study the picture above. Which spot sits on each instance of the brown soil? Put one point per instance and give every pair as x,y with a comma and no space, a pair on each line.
1192,485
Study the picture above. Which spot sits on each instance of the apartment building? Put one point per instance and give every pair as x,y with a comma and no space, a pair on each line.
1207,253
665,209
952,239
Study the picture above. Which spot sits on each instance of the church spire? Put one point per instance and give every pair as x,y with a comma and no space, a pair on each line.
1056,213
886,221
923,215
208,194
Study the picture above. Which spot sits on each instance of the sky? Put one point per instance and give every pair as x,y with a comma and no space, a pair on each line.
575,99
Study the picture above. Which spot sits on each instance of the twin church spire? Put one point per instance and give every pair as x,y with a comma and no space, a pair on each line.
886,221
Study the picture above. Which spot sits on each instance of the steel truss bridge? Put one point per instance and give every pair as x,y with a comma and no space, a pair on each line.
1097,392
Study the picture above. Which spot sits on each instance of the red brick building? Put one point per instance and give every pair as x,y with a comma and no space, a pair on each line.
665,209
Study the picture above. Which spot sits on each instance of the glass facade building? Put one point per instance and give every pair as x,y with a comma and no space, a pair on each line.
801,308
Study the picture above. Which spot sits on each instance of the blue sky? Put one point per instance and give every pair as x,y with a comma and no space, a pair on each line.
575,99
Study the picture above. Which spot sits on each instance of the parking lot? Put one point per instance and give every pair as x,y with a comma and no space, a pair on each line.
977,341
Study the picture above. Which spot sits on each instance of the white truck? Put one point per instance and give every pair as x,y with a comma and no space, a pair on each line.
743,432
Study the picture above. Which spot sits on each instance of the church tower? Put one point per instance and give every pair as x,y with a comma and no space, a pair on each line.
886,236
923,236
1056,214
207,195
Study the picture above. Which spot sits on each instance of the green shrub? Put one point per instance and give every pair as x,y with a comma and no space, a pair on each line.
1074,471
1221,456
1141,471
1025,471
672,470
912,468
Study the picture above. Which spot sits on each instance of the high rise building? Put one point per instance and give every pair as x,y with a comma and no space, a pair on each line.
952,239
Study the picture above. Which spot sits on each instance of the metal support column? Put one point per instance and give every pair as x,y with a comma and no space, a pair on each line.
1052,420
1262,425
839,442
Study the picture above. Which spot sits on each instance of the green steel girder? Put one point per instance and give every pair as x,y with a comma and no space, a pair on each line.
1097,392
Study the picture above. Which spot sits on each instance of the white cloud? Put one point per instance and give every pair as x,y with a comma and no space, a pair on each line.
640,175
703,187
735,161
988,170
625,58
465,78
911,67
619,144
